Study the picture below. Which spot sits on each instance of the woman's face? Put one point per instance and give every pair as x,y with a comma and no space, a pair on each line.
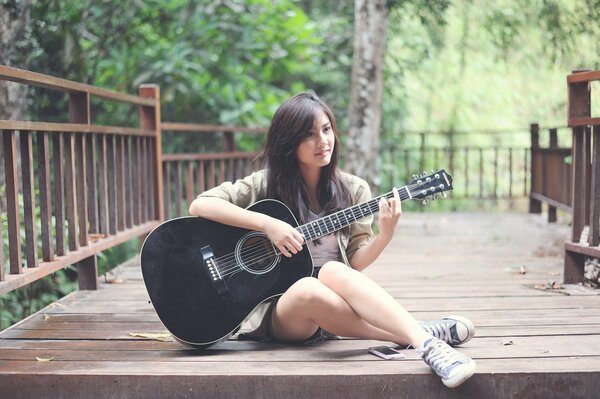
316,148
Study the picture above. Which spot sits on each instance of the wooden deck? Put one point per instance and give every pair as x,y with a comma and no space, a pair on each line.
530,342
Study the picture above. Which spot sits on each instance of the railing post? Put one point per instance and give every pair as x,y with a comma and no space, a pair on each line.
579,107
12,201
535,206
87,273
150,119
554,181
1,248
79,112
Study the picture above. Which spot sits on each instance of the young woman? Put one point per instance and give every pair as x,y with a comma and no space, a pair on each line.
301,156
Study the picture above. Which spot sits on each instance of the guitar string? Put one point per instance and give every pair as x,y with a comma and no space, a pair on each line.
258,249
254,254
373,206
226,268
248,251
259,256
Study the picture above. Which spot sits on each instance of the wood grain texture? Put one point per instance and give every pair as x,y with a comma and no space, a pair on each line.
530,342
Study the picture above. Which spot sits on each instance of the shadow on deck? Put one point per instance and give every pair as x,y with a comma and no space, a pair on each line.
530,342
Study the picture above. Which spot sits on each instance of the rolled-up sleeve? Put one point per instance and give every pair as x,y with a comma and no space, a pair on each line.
360,231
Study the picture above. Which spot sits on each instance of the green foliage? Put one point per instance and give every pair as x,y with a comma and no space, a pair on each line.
216,62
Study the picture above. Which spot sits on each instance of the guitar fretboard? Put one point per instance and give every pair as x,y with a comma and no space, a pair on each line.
337,221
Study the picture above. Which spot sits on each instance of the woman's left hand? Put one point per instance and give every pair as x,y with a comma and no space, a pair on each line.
389,215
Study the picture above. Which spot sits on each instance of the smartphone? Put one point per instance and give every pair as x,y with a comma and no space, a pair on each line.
386,352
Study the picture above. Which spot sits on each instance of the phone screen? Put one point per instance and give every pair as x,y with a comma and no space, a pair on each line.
386,352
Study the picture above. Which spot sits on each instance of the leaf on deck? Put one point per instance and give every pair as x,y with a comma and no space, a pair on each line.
164,337
44,359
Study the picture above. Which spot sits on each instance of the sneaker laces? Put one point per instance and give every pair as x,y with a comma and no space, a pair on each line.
439,355
440,329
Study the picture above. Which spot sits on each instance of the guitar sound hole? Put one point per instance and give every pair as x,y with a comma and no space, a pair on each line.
256,254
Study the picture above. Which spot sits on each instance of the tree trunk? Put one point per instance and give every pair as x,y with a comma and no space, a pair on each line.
15,46
370,26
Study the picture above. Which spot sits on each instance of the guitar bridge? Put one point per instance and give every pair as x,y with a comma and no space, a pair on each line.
212,271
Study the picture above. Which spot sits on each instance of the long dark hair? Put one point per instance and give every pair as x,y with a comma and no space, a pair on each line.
291,124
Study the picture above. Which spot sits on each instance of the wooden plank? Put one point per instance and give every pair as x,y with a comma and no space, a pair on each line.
43,152
111,173
28,198
128,182
201,187
120,187
54,83
583,76
138,171
71,189
2,271
81,190
594,216
208,156
40,127
359,384
189,183
196,127
103,182
92,184
179,198
9,139
243,351
167,190
148,182
59,190
150,119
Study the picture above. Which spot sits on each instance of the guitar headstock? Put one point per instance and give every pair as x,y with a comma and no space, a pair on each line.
429,187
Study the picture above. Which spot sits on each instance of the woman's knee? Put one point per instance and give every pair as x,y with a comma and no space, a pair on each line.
333,274
307,291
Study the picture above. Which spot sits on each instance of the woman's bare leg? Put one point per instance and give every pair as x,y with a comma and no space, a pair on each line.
312,303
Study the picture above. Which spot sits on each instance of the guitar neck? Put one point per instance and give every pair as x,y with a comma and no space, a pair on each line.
337,221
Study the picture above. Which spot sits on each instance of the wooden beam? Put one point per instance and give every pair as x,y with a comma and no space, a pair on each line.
54,83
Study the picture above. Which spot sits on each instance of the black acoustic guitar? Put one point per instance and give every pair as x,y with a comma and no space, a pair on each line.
205,278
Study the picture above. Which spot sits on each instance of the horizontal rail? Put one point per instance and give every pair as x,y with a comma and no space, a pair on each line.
196,127
580,77
29,275
74,128
54,83
584,121
208,157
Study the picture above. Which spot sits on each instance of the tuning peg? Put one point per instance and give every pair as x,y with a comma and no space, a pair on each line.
424,201
415,177
444,195
424,174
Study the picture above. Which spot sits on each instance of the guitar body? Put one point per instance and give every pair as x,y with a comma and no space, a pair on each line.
205,278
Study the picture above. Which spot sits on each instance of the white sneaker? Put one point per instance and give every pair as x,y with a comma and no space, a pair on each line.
454,330
453,367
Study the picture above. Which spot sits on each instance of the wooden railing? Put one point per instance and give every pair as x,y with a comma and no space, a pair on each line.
585,235
551,174
480,171
188,174
98,186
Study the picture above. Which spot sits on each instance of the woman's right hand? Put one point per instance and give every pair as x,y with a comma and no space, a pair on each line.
285,237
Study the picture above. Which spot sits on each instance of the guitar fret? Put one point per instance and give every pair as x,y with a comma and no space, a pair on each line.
315,230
